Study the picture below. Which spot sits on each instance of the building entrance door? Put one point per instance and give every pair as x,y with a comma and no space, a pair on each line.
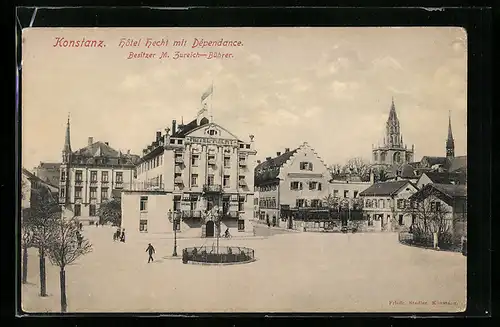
209,229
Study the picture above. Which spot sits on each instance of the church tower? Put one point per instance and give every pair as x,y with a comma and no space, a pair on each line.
65,167
393,151
450,143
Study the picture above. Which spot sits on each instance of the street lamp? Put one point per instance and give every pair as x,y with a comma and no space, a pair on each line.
173,218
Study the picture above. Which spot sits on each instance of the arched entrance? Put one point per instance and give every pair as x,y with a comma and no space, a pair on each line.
209,232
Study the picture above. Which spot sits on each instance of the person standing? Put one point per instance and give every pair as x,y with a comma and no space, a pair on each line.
151,250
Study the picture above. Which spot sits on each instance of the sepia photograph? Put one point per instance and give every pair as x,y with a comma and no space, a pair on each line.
277,170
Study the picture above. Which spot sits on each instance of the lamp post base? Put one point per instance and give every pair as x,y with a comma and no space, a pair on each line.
175,252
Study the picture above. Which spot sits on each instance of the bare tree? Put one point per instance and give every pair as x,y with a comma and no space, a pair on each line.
331,202
44,212
66,247
26,242
430,216
336,170
358,166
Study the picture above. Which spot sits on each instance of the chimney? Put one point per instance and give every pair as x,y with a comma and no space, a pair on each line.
278,154
107,143
91,140
174,125
287,149
268,158
158,135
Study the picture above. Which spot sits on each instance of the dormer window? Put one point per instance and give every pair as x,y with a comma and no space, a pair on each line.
212,132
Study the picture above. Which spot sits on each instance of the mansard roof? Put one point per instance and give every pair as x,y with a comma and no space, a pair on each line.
49,165
99,150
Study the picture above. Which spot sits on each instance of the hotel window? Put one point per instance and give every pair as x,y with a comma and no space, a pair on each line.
346,193
226,181
93,192
194,180
92,211
143,225
315,203
248,146
211,159
381,204
401,203
104,176
63,176
299,203
227,161
93,176
78,192
242,146
210,179
320,187
78,210
335,193
306,166
104,194
78,176
241,203
194,160
312,185
143,206
119,177
241,225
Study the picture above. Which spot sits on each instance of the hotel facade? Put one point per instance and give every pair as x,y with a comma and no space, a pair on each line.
197,174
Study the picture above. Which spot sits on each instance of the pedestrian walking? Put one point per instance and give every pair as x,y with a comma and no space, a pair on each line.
122,238
151,250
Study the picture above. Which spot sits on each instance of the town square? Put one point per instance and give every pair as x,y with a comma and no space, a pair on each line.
241,185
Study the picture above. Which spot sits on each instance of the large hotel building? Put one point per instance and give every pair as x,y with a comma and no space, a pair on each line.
196,174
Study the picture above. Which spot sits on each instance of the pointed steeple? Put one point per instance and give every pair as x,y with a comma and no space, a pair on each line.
67,140
392,113
392,127
450,143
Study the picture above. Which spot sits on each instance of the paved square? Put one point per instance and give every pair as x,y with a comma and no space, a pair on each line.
294,272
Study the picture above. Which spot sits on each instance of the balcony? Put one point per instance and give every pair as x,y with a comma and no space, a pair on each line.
93,182
106,182
118,185
242,163
78,182
179,160
209,188
191,214
144,186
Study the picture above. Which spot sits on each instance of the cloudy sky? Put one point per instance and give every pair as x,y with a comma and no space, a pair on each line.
331,87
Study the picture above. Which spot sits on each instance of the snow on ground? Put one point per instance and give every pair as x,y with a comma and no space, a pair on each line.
294,272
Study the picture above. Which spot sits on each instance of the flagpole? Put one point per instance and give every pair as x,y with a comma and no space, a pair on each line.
211,103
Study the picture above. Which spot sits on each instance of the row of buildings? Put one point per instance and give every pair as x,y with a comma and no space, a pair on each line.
200,173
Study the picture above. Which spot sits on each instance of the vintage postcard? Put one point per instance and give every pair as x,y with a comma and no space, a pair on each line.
244,170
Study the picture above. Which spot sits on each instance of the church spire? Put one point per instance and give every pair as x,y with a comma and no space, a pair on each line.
450,143
392,128
67,140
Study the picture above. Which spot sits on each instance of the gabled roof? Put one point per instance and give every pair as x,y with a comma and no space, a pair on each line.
270,169
446,178
49,165
445,192
385,188
457,164
35,178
